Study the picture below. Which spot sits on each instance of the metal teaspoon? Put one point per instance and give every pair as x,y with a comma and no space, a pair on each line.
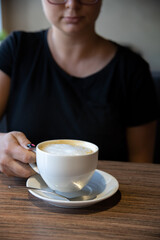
79,198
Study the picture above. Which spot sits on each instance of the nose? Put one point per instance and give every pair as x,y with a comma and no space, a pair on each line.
72,3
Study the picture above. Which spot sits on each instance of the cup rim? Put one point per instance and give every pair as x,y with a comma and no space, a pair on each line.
70,140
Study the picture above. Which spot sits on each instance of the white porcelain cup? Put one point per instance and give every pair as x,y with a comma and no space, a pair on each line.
65,171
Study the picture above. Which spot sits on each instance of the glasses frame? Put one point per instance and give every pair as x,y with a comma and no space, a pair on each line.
67,0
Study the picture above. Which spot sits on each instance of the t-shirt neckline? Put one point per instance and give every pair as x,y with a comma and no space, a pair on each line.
75,77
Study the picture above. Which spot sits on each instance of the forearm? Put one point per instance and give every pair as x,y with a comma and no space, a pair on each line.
141,142
4,92
143,157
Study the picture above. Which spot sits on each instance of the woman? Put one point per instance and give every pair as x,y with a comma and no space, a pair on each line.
69,82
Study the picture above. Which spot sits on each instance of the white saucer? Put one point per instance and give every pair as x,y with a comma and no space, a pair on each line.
102,185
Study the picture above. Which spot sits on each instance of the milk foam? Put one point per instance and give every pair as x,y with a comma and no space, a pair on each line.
66,150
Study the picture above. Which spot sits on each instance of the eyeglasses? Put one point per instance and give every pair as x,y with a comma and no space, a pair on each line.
85,2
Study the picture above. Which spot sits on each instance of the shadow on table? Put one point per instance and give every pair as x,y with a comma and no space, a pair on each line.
98,207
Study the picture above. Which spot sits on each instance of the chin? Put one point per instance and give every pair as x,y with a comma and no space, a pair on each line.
75,29
72,30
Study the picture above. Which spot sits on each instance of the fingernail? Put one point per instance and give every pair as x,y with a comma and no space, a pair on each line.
31,145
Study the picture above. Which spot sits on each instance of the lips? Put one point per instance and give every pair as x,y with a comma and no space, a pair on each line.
72,19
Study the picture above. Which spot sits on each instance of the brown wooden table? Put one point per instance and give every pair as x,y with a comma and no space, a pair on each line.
132,213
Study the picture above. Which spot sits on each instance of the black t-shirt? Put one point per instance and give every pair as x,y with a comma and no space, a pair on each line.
47,103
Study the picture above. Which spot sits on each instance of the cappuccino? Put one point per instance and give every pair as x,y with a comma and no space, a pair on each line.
62,149
66,165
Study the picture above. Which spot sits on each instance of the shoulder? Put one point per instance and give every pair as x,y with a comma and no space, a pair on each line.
17,37
130,58
21,39
20,46
21,43
129,64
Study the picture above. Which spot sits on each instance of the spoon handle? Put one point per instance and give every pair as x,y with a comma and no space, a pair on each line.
38,189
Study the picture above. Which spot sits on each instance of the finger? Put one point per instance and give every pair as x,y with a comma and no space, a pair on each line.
22,170
21,139
18,169
23,155
7,171
16,148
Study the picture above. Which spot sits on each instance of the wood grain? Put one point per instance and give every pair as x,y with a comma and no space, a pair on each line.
132,213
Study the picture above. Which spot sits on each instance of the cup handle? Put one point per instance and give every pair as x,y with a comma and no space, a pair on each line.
33,165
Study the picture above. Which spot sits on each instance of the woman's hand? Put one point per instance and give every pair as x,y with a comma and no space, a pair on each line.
15,156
